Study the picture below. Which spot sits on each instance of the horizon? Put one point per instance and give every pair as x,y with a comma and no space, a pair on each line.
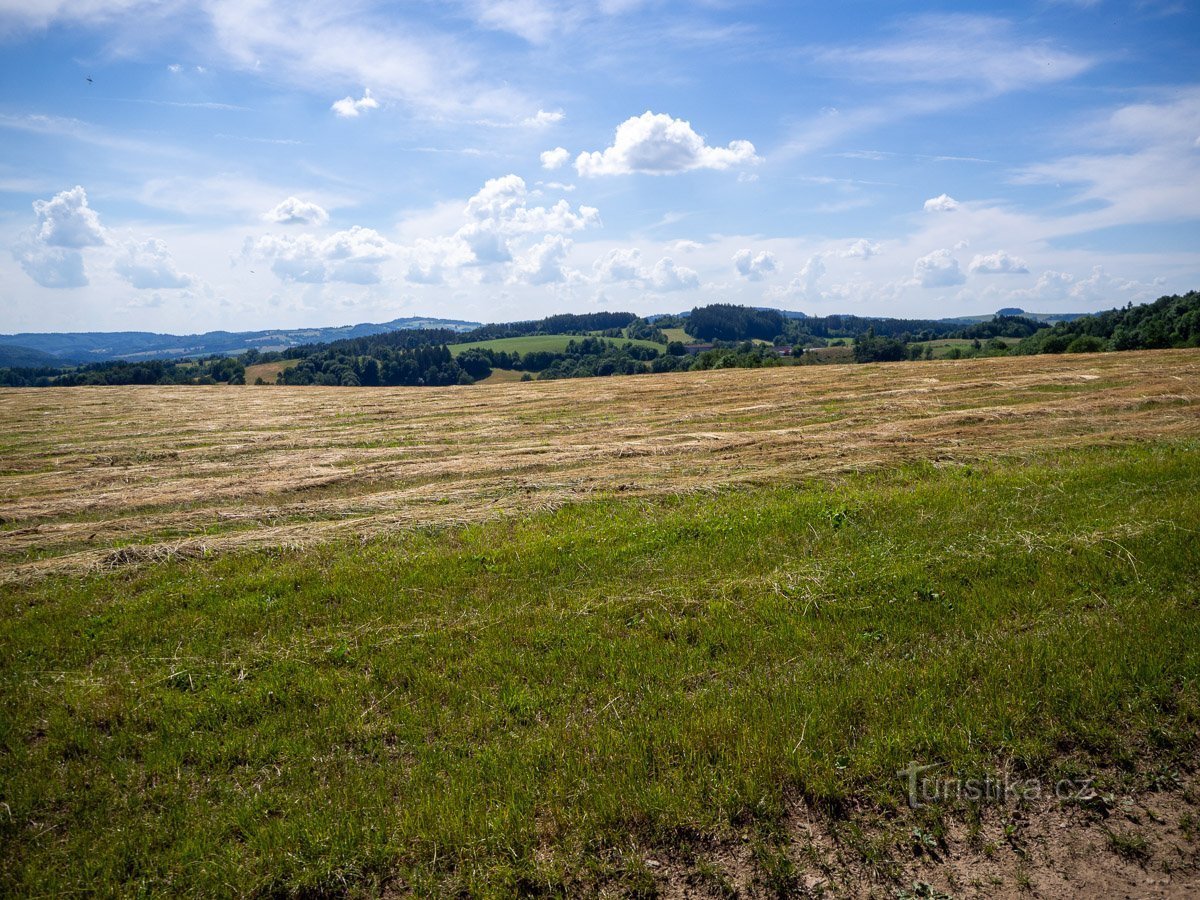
182,168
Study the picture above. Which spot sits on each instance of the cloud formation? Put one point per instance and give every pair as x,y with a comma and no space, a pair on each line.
998,263
49,252
941,203
149,265
544,118
294,211
860,249
938,269
556,158
666,276
349,108
353,256
656,144
752,266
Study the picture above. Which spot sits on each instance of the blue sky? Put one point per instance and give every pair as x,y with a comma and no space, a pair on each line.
266,163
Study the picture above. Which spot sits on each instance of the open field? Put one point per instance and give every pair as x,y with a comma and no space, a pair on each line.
268,372
101,477
669,635
552,343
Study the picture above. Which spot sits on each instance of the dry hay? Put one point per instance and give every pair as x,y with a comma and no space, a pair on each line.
95,478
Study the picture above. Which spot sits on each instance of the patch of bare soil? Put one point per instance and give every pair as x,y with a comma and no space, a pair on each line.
1141,845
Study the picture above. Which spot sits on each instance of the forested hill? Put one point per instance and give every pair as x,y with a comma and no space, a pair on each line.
1172,321
97,346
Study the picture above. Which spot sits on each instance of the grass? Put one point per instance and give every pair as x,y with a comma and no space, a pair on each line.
533,704
553,343
268,372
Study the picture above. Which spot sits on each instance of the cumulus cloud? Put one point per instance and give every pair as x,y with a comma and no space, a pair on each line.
49,252
752,266
52,267
66,220
941,203
938,269
499,213
860,249
624,265
543,118
556,158
349,108
501,227
656,144
294,211
352,256
804,285
543,263
148,265
998,263
621,264
666,276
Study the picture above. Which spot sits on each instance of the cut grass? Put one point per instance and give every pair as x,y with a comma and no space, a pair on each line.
519,705
90,470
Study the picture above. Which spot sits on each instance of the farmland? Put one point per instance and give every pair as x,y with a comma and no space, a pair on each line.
671,633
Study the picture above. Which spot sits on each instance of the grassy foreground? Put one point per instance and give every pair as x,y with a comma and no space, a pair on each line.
521,705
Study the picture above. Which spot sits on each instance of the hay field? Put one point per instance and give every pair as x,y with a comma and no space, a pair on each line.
96,478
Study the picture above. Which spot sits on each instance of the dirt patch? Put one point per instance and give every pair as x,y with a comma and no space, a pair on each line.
1141,845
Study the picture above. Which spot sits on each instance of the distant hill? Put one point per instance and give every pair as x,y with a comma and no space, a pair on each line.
13,356
1048,318
97,346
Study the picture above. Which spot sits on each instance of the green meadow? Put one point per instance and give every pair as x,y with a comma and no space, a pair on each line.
530,705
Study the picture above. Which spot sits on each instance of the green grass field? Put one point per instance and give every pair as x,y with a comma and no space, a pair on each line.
528,705
554,343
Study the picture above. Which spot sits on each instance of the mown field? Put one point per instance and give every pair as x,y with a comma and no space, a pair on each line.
606,635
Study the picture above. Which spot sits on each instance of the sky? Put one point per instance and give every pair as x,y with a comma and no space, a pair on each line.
245,164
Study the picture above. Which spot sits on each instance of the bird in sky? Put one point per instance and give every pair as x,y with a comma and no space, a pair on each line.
89,79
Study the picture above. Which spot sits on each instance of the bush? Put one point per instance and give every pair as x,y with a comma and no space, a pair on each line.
1087,343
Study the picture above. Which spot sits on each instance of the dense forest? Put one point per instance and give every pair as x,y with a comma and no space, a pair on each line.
603,344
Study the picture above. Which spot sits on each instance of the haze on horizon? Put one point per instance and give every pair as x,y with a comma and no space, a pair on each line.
188,166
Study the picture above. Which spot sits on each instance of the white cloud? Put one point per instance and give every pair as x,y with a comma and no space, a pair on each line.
753,266
349,108
544,118
52,267
976,51
941,203
938,269
620,264
804,285
666,276
624,265
860,249
656,144
352,256
501,227
998,263
503,200
66,220
148,265
556,158
294,211
543,263
49,252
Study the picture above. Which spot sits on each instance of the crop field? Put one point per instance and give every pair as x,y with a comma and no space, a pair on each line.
551,343
665,635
